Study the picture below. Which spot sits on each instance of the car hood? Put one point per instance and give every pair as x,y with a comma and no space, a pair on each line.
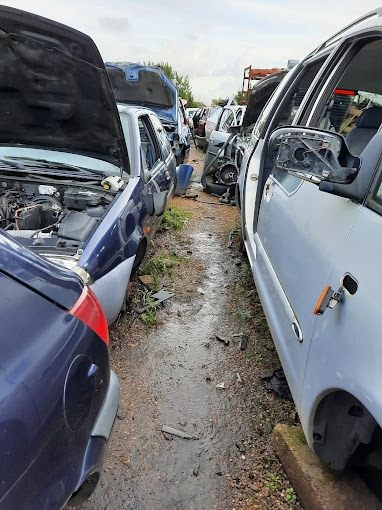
260,93
55,92
145,86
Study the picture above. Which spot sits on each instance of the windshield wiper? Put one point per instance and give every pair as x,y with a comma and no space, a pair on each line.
47,164
14,164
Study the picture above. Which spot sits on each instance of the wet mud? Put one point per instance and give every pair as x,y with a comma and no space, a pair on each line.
178,374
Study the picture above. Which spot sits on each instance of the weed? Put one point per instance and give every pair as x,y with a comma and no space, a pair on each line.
155,267
245,316
290,496
174,219
145,300
259,357
207,345
274,483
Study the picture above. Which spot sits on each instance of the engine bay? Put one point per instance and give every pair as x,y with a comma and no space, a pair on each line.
52,214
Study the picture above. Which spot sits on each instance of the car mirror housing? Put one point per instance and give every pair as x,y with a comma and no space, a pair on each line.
313,155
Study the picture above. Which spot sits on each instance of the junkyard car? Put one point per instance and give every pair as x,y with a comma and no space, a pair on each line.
135,84
59,398
224,118
81,183
200,135
311,208
228,142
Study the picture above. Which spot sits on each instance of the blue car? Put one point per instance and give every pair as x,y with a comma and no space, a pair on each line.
58,397
82,184
149,86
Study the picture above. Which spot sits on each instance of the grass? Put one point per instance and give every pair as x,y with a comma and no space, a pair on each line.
159,266
174,219
274,483
145,299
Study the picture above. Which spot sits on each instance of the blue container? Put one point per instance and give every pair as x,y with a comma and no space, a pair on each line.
183,173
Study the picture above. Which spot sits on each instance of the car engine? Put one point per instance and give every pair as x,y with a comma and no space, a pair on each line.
52,215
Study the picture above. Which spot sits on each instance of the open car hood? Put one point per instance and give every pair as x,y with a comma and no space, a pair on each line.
55,92
149,86
260,93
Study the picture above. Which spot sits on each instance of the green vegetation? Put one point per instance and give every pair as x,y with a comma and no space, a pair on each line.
275,482
174,219
145,299
290,496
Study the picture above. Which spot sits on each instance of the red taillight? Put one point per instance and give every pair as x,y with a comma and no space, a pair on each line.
88,309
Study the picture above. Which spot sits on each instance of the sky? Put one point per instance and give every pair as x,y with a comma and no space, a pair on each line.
211,41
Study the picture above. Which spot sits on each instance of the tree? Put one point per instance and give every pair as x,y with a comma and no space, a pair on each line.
216,102
238,97
181,82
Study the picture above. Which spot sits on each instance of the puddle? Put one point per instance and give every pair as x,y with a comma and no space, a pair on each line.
179,368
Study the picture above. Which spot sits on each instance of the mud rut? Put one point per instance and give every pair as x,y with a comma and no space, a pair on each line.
168,376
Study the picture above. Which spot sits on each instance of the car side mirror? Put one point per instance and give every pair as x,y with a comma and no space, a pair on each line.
234,129
160,202
146,175
313,155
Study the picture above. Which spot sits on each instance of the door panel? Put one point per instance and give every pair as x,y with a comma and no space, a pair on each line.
217,140
301,231
346,344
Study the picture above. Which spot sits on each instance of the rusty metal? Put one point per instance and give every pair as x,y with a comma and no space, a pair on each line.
250,75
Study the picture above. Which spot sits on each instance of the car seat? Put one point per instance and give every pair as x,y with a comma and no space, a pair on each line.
365,128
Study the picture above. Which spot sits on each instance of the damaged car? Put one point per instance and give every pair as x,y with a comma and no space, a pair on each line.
83,183
149,86
228,141
311,209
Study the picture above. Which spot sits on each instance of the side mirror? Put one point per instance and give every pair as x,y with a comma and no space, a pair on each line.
313,155
146,175
234,129
160,202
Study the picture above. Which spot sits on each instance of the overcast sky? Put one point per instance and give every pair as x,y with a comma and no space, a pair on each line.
211,40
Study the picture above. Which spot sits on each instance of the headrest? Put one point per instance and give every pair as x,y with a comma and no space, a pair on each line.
370,118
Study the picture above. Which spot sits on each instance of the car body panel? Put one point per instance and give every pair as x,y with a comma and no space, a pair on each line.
54,282
149,86
335,333
46,353
68,111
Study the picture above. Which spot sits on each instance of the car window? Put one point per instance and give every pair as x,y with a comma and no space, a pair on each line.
162,136
126,128
354,104
149,152
296,95
215,116
289,182
375,201
227,119
239,115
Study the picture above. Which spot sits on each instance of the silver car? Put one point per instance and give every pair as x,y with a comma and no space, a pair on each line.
311,208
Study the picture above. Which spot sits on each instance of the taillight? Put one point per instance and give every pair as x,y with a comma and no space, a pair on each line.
88,309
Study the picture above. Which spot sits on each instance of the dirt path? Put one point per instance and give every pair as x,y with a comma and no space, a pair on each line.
169,375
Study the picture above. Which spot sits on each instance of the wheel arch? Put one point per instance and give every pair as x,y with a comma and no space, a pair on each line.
341,423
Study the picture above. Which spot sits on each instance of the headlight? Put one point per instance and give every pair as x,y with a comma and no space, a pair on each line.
71,262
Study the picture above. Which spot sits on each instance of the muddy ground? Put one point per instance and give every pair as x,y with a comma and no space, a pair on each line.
171,366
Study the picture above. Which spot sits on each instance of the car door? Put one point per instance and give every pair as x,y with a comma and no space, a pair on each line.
219,136
300,229
166,172
346,343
